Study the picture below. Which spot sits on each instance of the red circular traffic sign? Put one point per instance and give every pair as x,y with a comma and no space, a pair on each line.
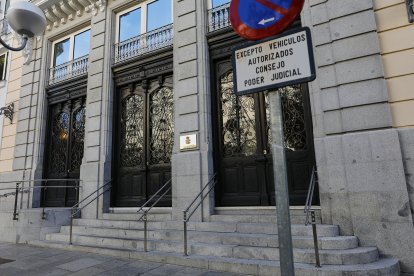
258,19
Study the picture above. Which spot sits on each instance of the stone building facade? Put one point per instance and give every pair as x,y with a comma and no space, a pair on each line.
130,100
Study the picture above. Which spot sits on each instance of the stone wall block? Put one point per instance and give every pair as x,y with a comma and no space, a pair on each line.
316,2
187,70
330,99
327,76
381,176
26,91
93,139
26,79
360,69
186,21
94,109
356,148
366,117
321,34
95,81
339,8
363,92
319,14
96,54
187,123
187,87
187,53
98,28
95,67
93,124
92,154
24,113
22,126
385,146
20,151
333,150
186,37
352,25
188,104
332,122
19,163
94,95
185,6
324,55
356,46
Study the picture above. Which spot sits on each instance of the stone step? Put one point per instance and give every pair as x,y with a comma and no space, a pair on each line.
349,256
382,267
135,216
304,242
296,216
224,227
263,211
257,219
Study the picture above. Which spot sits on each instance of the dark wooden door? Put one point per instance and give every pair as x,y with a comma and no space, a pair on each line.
64,151
243,157
143,142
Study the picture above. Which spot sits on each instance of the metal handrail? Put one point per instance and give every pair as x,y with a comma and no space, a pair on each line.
17,189
309,211
78,209
144,216
309,197
186,217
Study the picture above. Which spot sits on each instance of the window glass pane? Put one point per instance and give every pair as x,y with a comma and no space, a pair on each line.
81,47
2,66
217,3
62,52
130,25
159,14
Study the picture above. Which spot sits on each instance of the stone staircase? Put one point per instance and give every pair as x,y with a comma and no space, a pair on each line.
234,240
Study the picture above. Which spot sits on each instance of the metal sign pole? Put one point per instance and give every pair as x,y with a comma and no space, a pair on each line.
281,185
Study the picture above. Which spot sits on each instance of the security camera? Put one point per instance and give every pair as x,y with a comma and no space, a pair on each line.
26,19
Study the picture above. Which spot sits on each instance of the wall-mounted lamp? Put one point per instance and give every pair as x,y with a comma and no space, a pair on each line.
410,10
27,20
8,111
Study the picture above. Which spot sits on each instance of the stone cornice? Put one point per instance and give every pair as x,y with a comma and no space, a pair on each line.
59,12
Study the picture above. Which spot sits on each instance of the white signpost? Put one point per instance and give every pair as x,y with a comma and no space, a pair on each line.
271,64
274,63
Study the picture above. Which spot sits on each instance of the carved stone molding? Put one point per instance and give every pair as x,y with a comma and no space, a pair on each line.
59,13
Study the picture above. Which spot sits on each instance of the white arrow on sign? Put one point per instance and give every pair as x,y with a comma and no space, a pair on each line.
264,21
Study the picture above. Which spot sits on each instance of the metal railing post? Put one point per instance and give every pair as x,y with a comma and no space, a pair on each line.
71,226
185,232
315,239
16,197
145,231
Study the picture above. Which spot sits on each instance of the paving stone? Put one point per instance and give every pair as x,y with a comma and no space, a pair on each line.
79,264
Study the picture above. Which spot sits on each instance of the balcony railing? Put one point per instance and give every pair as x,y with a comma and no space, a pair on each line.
143,44
219,18
68,70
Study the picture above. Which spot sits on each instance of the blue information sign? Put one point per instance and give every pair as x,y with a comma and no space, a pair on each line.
258,19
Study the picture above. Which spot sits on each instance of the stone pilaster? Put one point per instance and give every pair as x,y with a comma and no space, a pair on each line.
362,183
93,173
191,170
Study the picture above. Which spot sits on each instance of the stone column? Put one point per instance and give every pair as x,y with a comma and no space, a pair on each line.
191,170
362,183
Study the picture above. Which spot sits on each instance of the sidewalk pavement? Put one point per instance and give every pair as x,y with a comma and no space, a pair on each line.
25,260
